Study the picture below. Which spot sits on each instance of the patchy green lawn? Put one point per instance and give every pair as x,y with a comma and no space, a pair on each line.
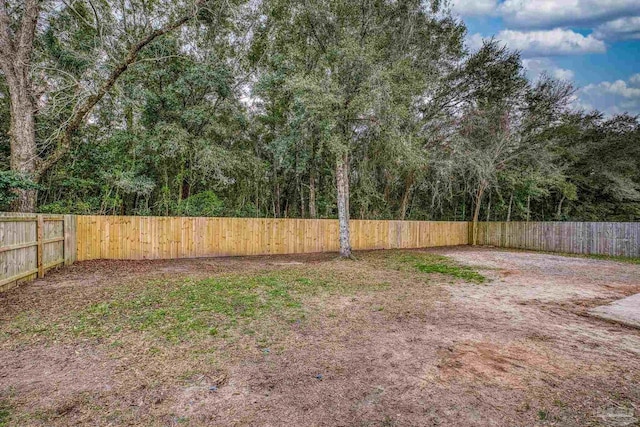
437,264
395,338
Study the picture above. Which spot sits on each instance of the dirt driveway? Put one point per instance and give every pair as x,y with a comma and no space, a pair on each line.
447,337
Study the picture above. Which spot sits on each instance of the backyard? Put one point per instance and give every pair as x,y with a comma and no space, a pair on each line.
451,336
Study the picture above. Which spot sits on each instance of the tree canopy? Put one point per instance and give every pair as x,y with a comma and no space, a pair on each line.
322,108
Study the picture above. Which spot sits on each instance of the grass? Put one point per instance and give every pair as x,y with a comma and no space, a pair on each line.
183,310
215,309
5,414
433,263
195,309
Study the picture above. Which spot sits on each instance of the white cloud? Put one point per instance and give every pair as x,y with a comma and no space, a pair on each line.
619,29
612,97
619,88
554,13
474,7
537,66
552,42
474,42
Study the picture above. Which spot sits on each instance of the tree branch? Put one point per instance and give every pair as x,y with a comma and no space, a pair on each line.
64,142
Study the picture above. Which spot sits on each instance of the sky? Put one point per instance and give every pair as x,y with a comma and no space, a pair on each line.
593,43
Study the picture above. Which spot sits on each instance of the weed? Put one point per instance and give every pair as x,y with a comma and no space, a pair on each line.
543,415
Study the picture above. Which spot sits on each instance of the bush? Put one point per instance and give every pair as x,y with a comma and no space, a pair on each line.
9,182
206,203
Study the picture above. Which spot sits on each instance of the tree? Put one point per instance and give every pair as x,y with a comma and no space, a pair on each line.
358,70
18,33
334,109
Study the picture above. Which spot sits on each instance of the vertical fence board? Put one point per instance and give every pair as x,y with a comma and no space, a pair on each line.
601,238
168,237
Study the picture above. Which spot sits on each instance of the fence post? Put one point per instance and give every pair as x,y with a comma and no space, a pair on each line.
40,237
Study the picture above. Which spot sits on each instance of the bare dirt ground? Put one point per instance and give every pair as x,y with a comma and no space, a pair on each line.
371,342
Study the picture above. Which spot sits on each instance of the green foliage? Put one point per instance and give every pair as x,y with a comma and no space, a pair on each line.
9,182
201,204
459,272
5,414
244,111
66,206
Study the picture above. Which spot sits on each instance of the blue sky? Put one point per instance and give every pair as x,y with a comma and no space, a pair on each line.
593,43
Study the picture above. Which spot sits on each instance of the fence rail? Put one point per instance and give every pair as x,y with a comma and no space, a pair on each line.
130,237
596,238
32,244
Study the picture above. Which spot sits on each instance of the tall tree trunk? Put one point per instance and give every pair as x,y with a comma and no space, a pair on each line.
489,208
16,46
404,204
303,205
476,212
342,184
276,193
464,207
509,211
313,212
23,145
528,207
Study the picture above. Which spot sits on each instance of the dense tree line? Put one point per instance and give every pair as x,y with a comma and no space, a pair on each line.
322,108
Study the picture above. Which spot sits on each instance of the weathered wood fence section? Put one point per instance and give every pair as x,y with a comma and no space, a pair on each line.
600,238
32,244
136,237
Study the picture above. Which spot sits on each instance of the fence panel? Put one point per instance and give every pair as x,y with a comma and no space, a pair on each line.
599,238
136,237
31,244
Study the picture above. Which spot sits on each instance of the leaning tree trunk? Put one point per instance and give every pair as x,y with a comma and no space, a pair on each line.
559,213
342,184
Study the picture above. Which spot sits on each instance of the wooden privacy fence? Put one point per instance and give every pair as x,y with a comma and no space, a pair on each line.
136,237
32,244
600,238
